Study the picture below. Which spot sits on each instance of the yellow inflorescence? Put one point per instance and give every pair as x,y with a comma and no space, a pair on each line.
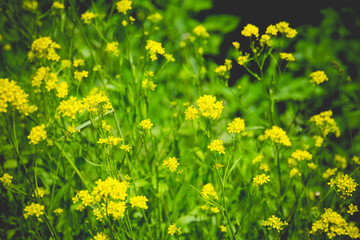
87,17
154,48
200,31
344,185
352,209
217,145
37,134
334,225
278,135
80,75
284,28
318,77
250,30
274,222
329,172
173,229
70,107
6,180
97,103
11,93
236,126
171,163
34,209
326,123
62,89
111,140
191,113
58,5
146,124
123,6
209,190
44,47
101,236
113,48
301,155
139,201
126,147
209,107
287,56
260,180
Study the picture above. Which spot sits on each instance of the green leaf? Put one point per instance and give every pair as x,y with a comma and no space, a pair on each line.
61,193
223,23
198,5
10,164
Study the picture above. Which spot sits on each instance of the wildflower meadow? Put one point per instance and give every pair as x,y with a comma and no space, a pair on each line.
119,121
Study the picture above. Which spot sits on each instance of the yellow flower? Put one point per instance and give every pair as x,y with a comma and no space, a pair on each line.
112,141
116,209
295,172
156,17
148,84
329,172
274,222
44,47
236,45
33,209
146,124
318,141
301,155
209,190
70,107
58,5
110,187
80,75
113,48
101,236
340,161
62,89
284,28
352,209
343,184
223,228
236,126
30,5
217,145
58,211
241,60
276,134
318,77
266,40
37,134
326,123
271,30
88,16
139,201
95,103
123,6
79,62
40,192
200,31
171,163
6,180
260,180
126,148
191,113
209,107
173,229
287,56
250,30
154,48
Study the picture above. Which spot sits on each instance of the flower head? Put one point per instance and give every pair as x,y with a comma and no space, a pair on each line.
250,30
260,180
209,107
6,179
217,145
37,134
146,124
276,134
236,126
318,77
139,201
171,163
274,222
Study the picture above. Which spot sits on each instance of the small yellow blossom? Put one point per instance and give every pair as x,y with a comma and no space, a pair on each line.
62,89
326,123
37,134
30,5
318,141
65,63
111,140
148,84
101,236
236,126
80,75
79,62
271,30
200,31
301,155
139,201
113,48
209,190
174,230
44,47
312,166
258,159
241,60
260,180
34,209
294,172
209,107
343,184
40,192
146,124
356,160
278,135
88,16
274,222
70,107
329,172
223,228
6,180
154,48
236,45
58,211
191,113
352,209
123,6
218,166
126,147
217,145
287,56
318,77
266,40
58,5
156,17
171,163
340,161
265,167
95,103
250,30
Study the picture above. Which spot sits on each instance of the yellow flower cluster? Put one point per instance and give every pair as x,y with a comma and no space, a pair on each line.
139,201
110,187
209,107
266,40
301,155
80,75
217,145
278,135
284,28
106,127
113,48
242,59
156,17
274,222
40,192
334,225
287,56
44,74
148,84
200,31
223,228
344,184
34,209
222,71
191,113
87,17
6,180
171,163
79,63
101,236
58,211
329,172
30,5
146,124
250,30
126,147
236,126
123,6
154,48
70,107
173,229
44,47
111,140
209,190
326,123
340,161
318,140
318,77
11,93
257,159
294,172
58,5
260,180
37,134
62,89
97,103
352,209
